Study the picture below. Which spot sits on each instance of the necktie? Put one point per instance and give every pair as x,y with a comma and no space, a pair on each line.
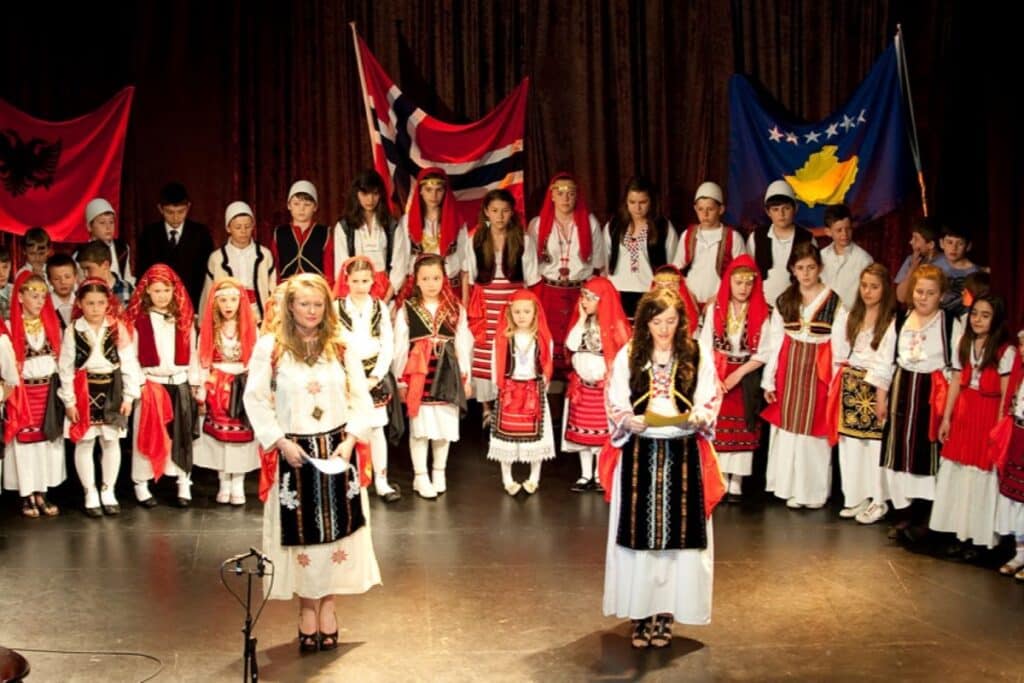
174,238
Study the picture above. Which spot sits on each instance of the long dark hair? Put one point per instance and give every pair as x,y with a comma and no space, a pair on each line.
789,301
367,180
886,307
657,225
684,347
998,333
514,238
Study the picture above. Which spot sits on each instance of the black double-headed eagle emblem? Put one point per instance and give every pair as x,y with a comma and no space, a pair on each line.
27,165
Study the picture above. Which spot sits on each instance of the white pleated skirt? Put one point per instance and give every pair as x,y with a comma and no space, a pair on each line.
642,583
799,466
32,467
435,421
740,463
965,503
1009,516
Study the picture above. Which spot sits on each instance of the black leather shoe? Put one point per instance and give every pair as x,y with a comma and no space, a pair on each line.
392,496
112,509
148,503
93,512
182,502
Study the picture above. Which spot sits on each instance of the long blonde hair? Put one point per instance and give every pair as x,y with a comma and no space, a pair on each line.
328,331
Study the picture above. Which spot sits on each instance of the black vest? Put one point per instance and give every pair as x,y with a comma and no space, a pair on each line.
375,314
308,257
656,253
83,349
640,400
763,247
947,334
255,270
485,275
389,234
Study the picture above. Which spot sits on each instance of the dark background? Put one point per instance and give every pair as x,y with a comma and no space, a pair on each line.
238,99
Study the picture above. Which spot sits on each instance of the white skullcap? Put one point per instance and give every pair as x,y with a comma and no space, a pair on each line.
779,188
97,207
709,190
303,186
237,209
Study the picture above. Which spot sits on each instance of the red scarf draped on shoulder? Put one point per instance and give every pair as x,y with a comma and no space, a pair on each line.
245,321
501,339
137,316
449,222
615,328
580,216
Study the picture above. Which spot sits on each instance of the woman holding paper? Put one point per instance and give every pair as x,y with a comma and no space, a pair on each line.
662,401
316,522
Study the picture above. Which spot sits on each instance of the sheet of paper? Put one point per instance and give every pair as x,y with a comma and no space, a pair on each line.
329,466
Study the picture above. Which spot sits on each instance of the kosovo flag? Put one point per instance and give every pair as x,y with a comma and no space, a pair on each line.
858,156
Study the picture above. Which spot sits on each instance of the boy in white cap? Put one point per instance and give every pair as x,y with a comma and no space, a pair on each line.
304,246
101,221
242,258
706,248
843,260
771,245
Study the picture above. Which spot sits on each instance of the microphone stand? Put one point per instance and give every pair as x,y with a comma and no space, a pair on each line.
239,566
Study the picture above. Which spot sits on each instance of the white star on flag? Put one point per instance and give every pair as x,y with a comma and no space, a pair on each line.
811,137
775,134
832,131
860,117
848,123
790,137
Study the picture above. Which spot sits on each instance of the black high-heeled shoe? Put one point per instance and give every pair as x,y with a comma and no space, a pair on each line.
328,641
308,642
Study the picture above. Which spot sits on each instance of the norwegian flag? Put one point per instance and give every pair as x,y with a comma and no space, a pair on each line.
478,157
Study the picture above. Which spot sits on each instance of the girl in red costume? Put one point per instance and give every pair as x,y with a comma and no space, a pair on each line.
735,329
1007,451
430,226
597,330
570,249
159,317
227,335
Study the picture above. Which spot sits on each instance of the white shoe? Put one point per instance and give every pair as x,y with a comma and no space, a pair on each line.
851,512
237,489
873,513
440,482
531,486
142,493
513,487
792,504
184,488
814,506
92,499
735,486
224,492
421,485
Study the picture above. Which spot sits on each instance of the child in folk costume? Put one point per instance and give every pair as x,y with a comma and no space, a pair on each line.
911,383
967,484
670,277
736,331
35,415
1008,454
430,226
243,258
638,239
227,334
570,250
304,245
433,347
706,248
662,400
368,229
159,317
366,332
521,431
500,258
99,378
853,420
795,382
597,330
9,381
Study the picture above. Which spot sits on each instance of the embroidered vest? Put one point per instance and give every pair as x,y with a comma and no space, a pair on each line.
304,257
83,349
656,253
375,316
683,399
947,334
389,234
260,278
763,247
821,322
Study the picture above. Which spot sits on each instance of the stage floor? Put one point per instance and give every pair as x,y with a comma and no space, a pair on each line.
480,586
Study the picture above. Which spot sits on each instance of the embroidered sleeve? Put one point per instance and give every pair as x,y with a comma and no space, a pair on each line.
617,403
401,344
881,367
259,397
66,366
771,345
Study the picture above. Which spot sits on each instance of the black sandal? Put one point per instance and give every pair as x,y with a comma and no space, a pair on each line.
308,642
28,507
45,506
328,641
642,629
662,635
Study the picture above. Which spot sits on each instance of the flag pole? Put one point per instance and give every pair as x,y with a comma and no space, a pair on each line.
904,81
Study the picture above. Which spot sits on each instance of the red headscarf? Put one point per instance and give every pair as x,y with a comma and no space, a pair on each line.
114,308
615,328
378,290
757,310
543,337
449,222
580,216
692,312
245,320
163,273
51,324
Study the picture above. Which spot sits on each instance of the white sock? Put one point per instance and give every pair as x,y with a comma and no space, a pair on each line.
379,454
237,485
535,472
84,464
440,448
506,473
110,461
418,455
586,464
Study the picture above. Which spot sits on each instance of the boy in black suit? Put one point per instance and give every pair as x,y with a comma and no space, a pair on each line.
182,244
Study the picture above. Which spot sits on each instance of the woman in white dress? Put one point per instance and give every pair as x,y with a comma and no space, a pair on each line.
662,401
316,526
